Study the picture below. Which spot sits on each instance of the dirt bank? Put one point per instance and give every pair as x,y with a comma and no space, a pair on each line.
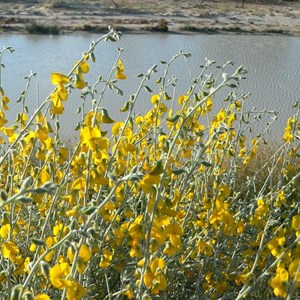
136,16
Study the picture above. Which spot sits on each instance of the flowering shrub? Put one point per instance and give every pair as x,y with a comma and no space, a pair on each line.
154,208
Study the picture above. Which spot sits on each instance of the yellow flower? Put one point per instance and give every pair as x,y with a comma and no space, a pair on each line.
58,273
78,184
106,258
129,294
5,100
224,191
117,128
170,250
154,277
288,133
42,297
174,231
41,133
280,282
60,230
50,241
280,200
75,291
2,118
9,131
148,181
44,176
160,283
296,222
294,269
276,246
60,94
155,99
84,254
59,79
84,67
120,70
136,249
79,82
10,250
57,105
135,229
91,137
182,99
84,257
158,237
4,231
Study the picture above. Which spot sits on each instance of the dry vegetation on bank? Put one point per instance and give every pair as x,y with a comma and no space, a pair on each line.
260,17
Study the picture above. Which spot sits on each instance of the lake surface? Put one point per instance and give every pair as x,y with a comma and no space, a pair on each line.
273,64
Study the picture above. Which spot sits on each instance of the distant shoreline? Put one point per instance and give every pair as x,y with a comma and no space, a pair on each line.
130,16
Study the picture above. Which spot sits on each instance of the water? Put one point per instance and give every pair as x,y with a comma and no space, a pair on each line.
273,64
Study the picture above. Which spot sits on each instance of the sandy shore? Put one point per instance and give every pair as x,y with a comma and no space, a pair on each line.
53,16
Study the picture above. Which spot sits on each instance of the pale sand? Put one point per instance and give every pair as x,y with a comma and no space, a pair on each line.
256,17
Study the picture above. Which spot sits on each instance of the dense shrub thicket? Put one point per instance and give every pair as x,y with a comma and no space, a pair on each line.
170,204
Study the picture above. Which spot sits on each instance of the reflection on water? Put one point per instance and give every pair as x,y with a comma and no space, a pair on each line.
273,64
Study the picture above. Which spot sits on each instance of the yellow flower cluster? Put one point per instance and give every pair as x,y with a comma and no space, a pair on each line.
149,206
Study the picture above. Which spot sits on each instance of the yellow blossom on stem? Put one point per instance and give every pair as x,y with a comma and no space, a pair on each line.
9,131
5,230
84,257
106,258
4,101
59,79
75,291
2,118
120,71
79,82
135,229
10,250
280,282
60,230
83,67
57,105
60,94
42,297
92,137
276,246
154,278
294,270
58,274
296,223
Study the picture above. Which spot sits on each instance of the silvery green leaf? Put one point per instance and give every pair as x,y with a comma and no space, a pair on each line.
40,190
39,242
147,89
88,210
178,171
3,195
15,293
125,107
45,268
133,177
112,177
25,200
206,164
27,183
174,118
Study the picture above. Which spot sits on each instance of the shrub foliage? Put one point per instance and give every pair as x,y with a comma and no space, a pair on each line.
157,207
